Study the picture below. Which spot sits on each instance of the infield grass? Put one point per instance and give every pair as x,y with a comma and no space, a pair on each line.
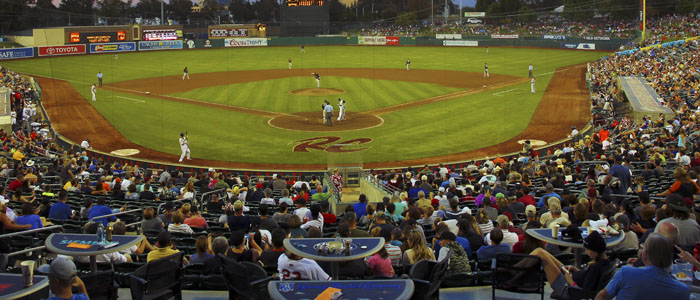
440,128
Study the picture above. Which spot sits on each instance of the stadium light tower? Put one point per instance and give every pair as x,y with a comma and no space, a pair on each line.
161,12
643,17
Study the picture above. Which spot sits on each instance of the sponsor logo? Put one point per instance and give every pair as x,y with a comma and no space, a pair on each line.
61,50
286,287
245,42
505,36
596,38
15,53
578,46
554,37
330,144
443,36
392,40
460,43
112,47
159,45
371,40
224,33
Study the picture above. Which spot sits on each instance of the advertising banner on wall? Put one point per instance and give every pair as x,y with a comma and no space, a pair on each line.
245,42
505,36
227,32
392,40
15,53
554,37
460,43
61,50
448,36
596,38
112,47
474,14
578,46
159,45
371,40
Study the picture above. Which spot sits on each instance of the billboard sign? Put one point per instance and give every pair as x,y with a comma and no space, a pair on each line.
460,43
596,38
554,37
112,47
474,14
161,34
371,40
505,36
448,36
227,32
392,40
15,53
245,42
159,45
578,46
61,50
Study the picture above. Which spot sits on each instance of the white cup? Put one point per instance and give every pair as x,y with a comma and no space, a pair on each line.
27,272
555,232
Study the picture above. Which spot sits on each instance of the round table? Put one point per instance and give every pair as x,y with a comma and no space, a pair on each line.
545,234
12,286
361,248
58,243
351,289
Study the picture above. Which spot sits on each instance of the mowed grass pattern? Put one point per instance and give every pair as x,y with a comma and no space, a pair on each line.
361,94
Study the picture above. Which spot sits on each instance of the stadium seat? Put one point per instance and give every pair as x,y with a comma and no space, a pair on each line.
531,280
160,279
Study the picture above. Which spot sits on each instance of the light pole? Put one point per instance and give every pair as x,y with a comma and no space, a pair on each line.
460,12
432,17
161,12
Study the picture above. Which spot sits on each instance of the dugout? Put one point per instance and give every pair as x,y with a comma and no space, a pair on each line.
642,98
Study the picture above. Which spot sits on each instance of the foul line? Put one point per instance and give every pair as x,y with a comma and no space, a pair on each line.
503,92
132,99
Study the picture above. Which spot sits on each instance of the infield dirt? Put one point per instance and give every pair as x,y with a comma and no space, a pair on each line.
564,104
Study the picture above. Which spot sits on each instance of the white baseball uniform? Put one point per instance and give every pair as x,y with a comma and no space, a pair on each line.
532,85
93,90
341,108
290,63
185,148
408,65
303,269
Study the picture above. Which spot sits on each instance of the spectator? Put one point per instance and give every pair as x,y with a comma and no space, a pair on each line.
508,238
85,210
380,263
294,267
459,260
131,193
301,210
650,282
61,211
294,228
28,217
484,222
282,216
644,201
528,243
369,217
268,198
316,218
489,252
394,252
238,221
178,226
689,230
240,251
271,256
361,206
630,241
467,231
196,219
212,266
6,222
620,172
349,218
454,212
111,257
555,215
328,217
549,189
63,279
320,196
416,249
422,201
98,210
285,198
391,212
266,222
167,215
146,193
491,212
683,185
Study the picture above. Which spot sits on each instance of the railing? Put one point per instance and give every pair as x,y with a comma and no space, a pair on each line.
201,198
5,257
116,214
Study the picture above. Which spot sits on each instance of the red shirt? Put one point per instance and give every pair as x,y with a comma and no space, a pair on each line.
198,221
14,185
527,200
328,218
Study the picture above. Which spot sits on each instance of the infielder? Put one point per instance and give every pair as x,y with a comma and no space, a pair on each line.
184,147
318,79
290,63
115,56
529,71
341,109
329,114
487,49
93,90
302,49
532,85
486,70
99,78
408,64
323,112
185,74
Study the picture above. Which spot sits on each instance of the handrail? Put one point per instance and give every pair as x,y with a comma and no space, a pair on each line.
176,200
201,198
138,230
7,235
4,257
116,214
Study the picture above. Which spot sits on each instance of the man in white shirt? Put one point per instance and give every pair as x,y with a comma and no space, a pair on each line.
93,90
301,210
294,267
184,147
509,238
85,144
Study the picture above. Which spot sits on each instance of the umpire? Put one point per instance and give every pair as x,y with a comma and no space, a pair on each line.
329,113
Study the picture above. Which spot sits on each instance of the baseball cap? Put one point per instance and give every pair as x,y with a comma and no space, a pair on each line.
676,202
594,242
500,195
4,201
530,209
441,189
61,268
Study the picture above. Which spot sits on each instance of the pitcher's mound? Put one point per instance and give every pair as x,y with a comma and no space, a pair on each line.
312,121
317,92
126,152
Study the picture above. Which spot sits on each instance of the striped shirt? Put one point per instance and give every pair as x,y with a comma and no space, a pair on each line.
394,254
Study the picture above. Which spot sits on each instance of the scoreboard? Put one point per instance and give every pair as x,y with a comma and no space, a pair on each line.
304,18
304,2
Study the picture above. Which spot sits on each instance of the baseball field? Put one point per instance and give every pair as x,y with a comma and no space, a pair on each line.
244,108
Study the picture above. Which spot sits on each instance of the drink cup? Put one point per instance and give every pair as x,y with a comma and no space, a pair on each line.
555,231
27,272
347,243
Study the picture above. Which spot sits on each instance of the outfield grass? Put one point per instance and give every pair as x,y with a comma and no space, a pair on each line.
439,128
274,95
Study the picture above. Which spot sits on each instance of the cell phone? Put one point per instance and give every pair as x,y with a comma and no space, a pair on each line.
564,269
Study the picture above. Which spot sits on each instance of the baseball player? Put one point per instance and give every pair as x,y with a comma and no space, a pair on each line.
290,63
329,113
93,90
99,78
487,49
115,56
184,147
529,71
318,79
323,112
341,109
486,70
302,49
532,85
408,64
185,74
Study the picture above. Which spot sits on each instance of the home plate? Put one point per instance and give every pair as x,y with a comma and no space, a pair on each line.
126,152
535,143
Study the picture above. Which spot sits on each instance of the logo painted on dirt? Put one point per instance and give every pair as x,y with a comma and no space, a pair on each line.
330,144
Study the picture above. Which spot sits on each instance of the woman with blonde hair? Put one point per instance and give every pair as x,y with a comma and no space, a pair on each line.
187,191
399,205
483,222
683,185
417,250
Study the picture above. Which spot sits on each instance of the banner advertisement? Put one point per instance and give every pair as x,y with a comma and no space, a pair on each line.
159,45
371,40
15,53
392,40
474,14
448,36
61,50
227,32
596,38
460,43
112,47
578,46
245,42
505,36
554,37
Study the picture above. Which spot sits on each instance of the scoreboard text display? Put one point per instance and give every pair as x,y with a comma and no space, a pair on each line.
161,34
97,37
228,32
304,2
